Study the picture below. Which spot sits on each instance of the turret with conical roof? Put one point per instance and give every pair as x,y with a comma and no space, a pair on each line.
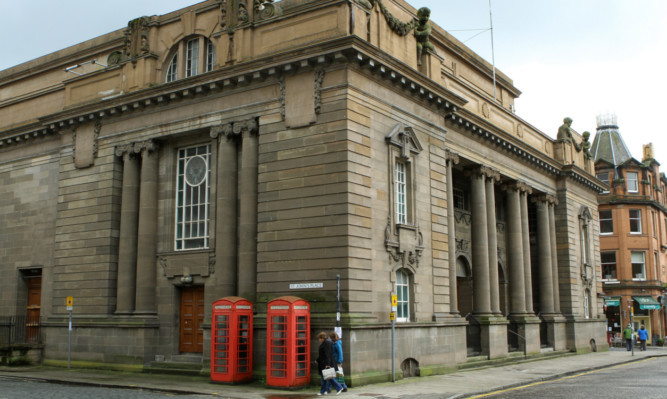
608,144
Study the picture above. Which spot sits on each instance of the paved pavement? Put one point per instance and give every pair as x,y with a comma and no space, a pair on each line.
464,383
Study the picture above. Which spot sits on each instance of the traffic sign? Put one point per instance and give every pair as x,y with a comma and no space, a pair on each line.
392,316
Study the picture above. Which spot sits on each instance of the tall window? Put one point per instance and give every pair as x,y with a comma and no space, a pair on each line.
633,186
635,221
172,71
191,57
604,177
197,56
460,200
192,198
638,265
400,184
608,265
606,222
210,56
403,296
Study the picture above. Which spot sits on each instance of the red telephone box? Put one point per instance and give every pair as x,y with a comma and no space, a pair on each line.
231,340
288,342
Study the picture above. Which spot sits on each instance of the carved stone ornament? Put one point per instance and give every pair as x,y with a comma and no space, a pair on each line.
462,245
136,41
223,15
398,27
406,253
265,9
282,85
319,78
242,15
486,112
232,130
463,217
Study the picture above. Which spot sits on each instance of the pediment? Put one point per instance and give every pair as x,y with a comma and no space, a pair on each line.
404,137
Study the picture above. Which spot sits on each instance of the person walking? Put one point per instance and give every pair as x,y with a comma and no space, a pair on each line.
643,336
338,358
627,334
325,360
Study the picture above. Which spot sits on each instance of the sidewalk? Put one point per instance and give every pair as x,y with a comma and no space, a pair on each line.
456,385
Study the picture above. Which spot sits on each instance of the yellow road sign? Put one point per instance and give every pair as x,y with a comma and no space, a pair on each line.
392,316
70,300
394,300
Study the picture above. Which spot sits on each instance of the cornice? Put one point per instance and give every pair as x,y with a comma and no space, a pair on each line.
628,200
499,138
349,50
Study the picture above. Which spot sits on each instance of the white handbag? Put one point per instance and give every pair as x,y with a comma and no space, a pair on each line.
329,373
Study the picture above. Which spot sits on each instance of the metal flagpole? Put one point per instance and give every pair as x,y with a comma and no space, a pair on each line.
493,55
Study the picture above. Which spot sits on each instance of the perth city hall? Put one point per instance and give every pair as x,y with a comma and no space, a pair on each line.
294,148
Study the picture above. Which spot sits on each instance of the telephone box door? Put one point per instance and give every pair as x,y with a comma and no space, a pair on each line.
288,343
231,340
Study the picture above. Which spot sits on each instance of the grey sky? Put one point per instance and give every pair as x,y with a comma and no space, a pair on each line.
568,57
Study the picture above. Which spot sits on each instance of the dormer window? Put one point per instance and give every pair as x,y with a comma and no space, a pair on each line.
190,57
633,186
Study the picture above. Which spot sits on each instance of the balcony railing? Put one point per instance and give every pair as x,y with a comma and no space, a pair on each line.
19,330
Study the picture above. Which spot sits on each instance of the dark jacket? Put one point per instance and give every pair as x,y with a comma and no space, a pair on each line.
325,355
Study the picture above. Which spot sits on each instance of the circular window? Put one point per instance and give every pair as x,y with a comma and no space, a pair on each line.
195,171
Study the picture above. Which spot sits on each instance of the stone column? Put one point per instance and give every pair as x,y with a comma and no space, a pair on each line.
525,233
247,246
127,241
544,256
452,159
554,256
480,245
494,291
226,211
147,230
515,251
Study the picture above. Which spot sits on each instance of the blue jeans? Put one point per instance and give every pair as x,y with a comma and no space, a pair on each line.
326,384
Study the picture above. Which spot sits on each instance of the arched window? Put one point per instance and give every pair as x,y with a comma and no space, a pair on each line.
191,57
402,296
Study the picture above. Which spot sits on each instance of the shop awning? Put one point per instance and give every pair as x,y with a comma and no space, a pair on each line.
613,301
647,302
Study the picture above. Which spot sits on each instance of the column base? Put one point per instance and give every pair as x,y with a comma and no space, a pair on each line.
524,333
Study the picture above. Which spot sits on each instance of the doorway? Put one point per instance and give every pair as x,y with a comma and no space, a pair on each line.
192,317
33,308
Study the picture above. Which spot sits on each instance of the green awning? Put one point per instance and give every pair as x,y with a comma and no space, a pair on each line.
614,301
647,302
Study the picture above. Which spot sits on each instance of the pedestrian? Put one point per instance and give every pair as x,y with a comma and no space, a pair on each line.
627,334
326,360
338,358
643,336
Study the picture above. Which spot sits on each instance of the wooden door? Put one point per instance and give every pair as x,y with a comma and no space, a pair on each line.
33,309
192,317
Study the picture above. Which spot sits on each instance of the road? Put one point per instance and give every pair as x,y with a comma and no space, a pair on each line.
643,379
19,388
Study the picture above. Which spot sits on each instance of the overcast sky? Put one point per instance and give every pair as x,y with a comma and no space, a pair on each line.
576,58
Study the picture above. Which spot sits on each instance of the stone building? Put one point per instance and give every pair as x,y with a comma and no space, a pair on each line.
262,149
633,235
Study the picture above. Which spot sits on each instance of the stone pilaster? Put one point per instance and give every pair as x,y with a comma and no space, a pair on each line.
452,159
147,229
226,211
247,245
127,242
554,255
